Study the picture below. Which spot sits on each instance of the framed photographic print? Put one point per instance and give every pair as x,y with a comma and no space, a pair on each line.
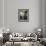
23,15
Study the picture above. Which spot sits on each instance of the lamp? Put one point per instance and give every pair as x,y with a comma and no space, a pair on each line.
39,29
1,35
7,30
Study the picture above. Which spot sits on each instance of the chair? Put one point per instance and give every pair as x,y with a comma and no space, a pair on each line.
5,37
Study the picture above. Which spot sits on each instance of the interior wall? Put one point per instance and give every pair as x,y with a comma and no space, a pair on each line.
11,15
44,18
45,12
1,14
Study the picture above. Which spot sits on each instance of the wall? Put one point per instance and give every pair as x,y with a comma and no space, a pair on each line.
1,15
44,18
11,15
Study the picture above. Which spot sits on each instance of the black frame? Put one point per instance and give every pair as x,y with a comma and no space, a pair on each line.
23,15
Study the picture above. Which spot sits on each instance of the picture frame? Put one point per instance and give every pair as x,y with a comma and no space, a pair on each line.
23,15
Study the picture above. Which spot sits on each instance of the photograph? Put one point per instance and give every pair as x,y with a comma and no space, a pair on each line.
23,15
